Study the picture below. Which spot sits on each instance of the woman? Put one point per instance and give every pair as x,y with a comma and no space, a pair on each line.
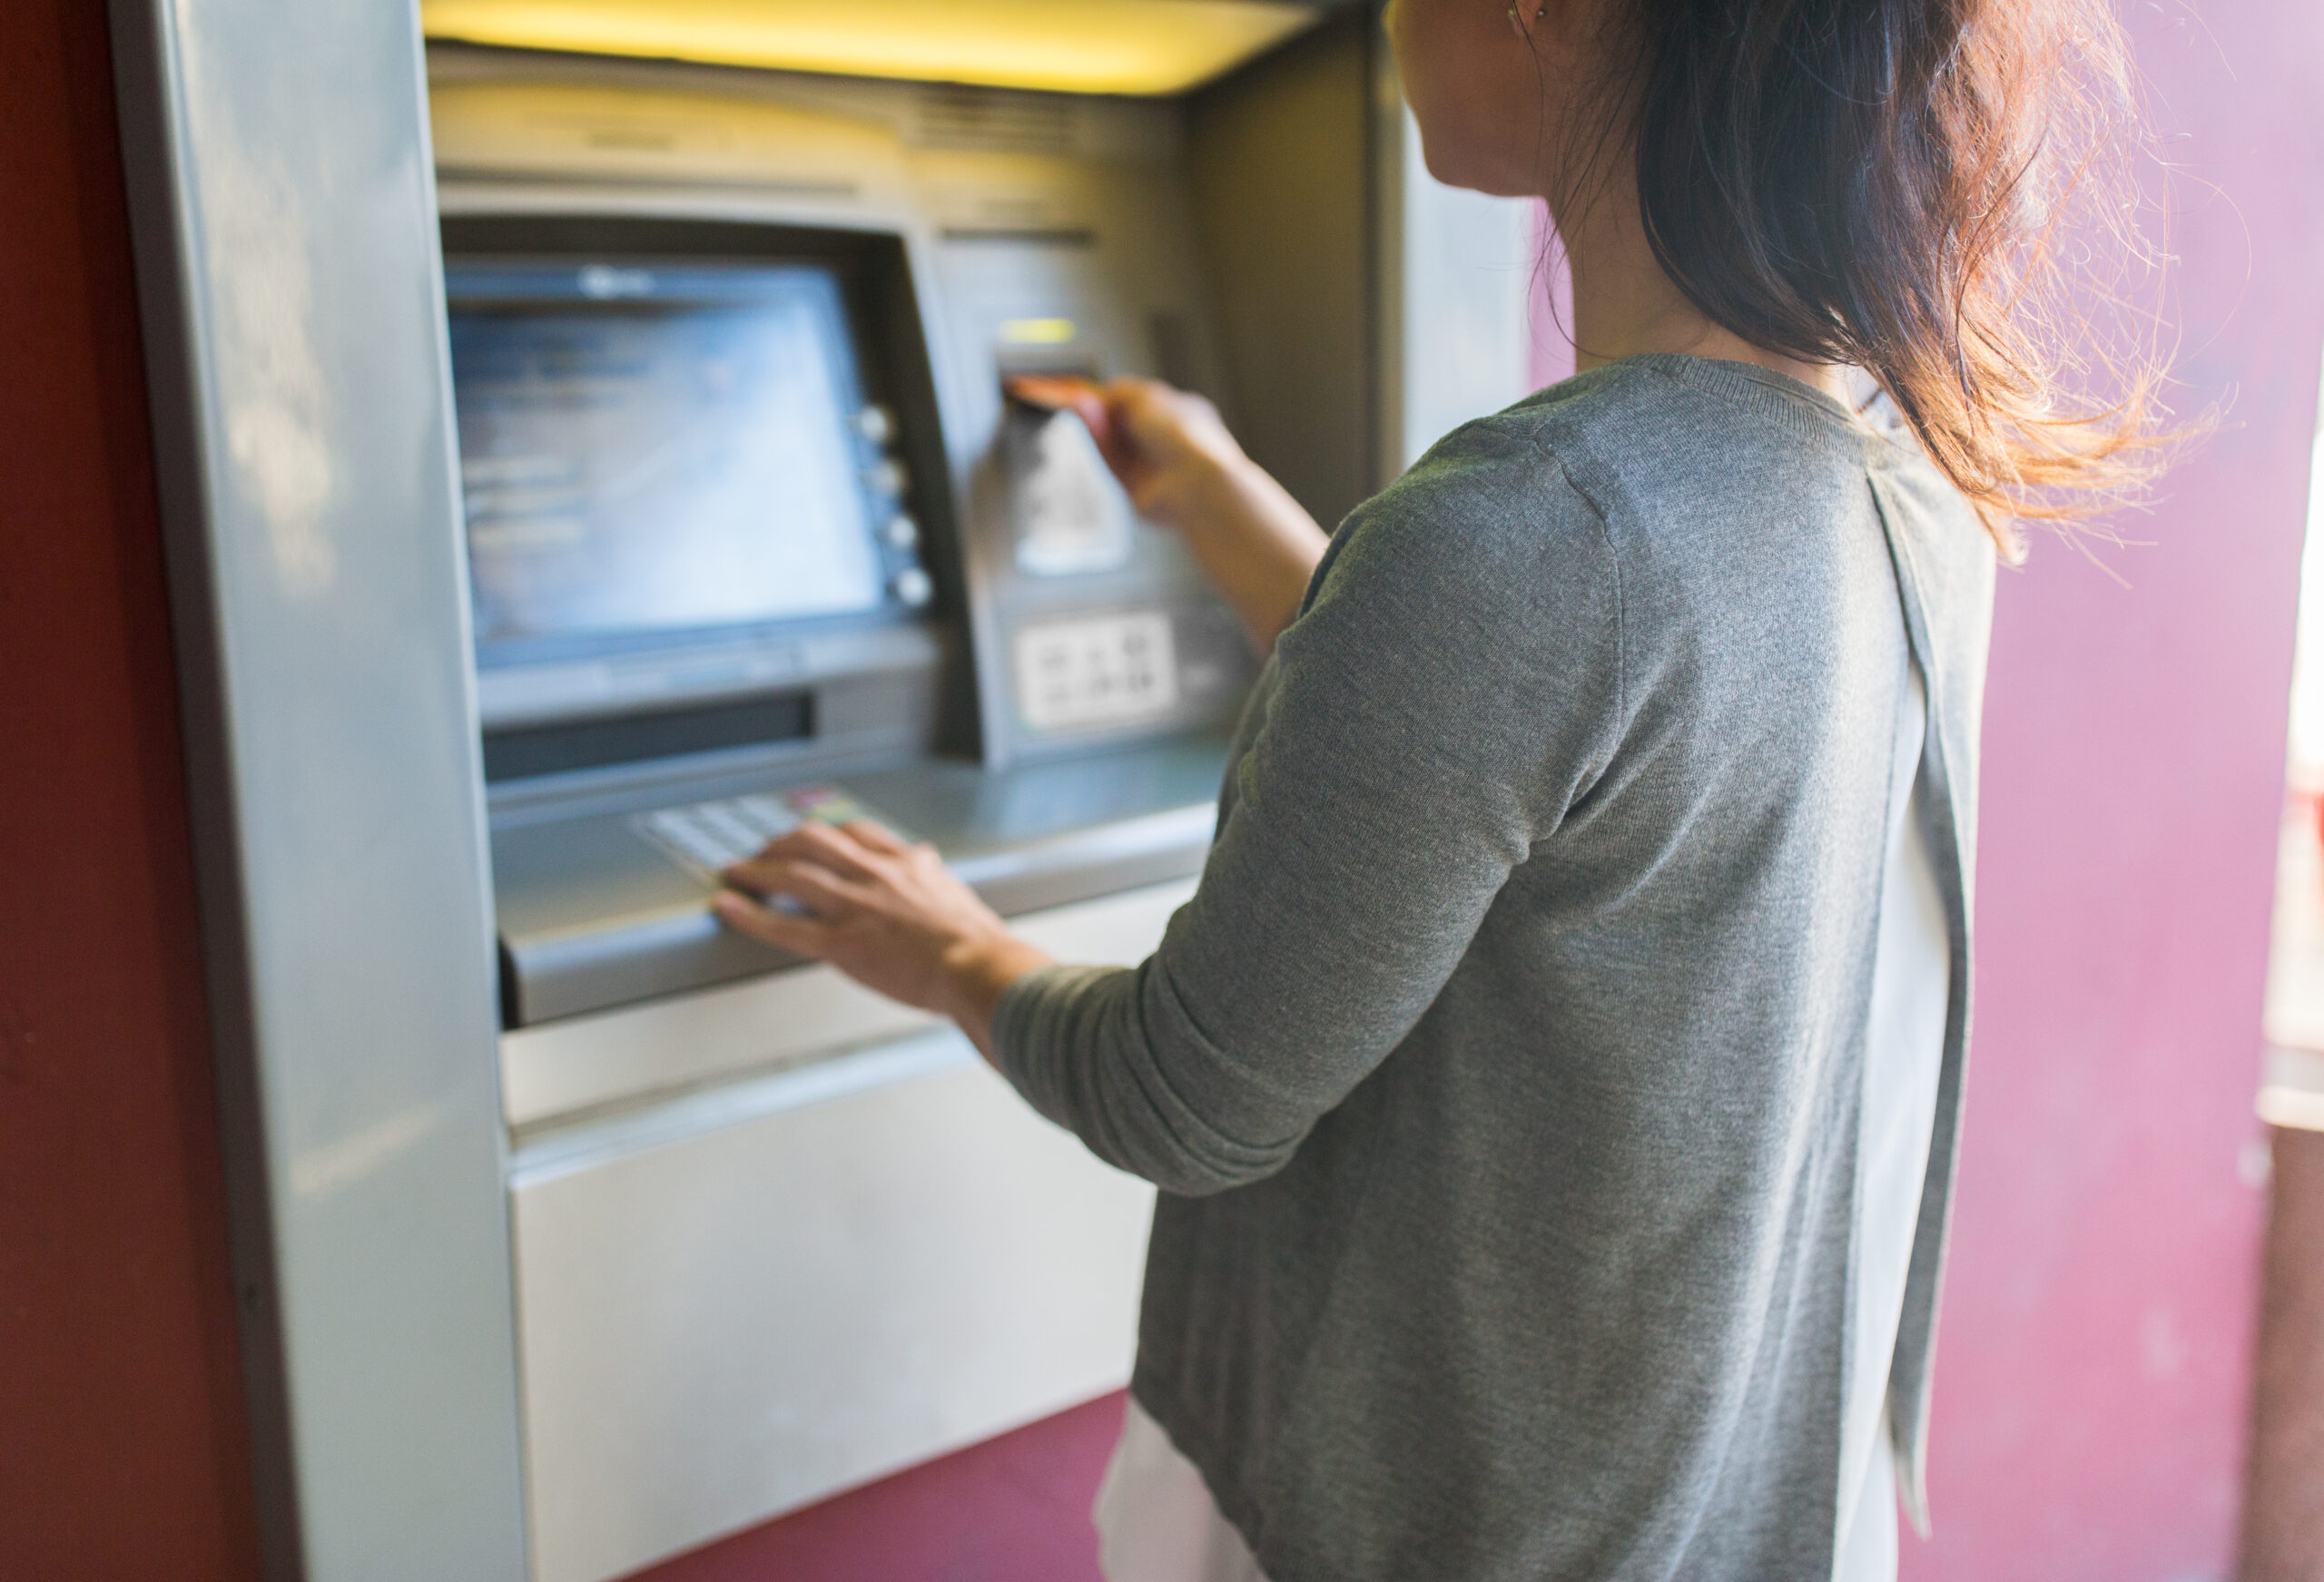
1552,1084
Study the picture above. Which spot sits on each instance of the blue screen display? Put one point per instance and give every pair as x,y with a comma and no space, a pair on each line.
659,450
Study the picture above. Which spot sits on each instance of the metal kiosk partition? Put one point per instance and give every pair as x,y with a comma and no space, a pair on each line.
736,528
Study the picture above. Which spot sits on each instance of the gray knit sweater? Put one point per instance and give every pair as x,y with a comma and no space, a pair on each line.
1501,1076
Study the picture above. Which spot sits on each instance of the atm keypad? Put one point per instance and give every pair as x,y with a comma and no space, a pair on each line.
706,837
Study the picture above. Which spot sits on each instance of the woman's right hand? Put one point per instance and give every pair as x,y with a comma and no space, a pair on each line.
1168,446
1182,470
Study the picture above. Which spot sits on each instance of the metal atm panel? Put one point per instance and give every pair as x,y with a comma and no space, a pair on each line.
798,1279
774,1234
1057,707
844,1377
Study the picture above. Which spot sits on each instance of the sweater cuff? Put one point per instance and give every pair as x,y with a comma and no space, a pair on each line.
1029,1041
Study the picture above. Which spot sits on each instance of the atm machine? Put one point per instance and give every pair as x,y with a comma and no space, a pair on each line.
749,534
755,535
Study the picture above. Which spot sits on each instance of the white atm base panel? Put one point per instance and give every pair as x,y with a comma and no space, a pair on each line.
743,1299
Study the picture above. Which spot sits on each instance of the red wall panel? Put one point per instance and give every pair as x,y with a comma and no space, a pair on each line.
122,1446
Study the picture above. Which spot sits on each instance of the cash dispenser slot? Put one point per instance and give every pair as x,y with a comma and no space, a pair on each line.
528,752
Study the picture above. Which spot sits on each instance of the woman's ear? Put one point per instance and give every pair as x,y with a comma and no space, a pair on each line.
1561,23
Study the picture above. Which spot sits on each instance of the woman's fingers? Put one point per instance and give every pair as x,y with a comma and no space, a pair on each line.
877,835
820,900
1114,438
814,842
1160,420
1096,416
798,935
1092,403
882,909
824,894
1134,426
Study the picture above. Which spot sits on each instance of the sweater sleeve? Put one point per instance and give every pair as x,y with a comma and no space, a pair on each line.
1449,688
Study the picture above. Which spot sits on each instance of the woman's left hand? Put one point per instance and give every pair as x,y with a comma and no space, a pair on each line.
887,913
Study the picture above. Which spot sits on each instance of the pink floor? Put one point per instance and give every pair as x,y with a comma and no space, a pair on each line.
1013,1509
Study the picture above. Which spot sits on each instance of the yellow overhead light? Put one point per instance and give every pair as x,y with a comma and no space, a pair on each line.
1038,331
1080,46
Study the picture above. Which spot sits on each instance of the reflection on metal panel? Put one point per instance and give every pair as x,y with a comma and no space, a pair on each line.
288,262
729,1325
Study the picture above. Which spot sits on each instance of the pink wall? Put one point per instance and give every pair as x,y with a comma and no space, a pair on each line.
1549,357
2091,1380
2096,1338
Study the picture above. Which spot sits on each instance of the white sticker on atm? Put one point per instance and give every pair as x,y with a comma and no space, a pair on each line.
1071,516
1093,671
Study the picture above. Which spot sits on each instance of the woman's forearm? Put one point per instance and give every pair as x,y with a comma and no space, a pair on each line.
1183,470
976,972
1257,544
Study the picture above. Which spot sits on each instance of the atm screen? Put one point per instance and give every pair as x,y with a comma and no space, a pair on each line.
650,450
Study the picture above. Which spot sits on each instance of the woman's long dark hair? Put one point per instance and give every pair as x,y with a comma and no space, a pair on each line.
1936,192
